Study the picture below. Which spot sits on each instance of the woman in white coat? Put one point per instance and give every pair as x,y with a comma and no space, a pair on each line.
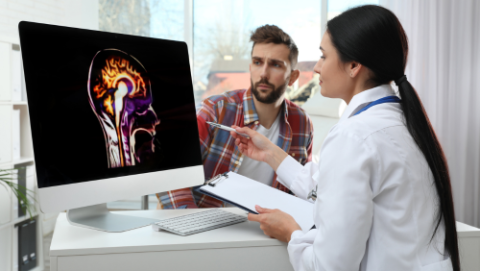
384,198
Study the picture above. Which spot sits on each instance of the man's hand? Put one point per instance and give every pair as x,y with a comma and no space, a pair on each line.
275,223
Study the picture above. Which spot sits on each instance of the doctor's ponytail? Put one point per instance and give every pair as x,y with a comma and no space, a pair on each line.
374,37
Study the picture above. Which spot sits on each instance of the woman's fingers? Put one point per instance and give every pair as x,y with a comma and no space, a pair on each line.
253,217
262,210
239,138
275,223
241,146
245,130
243,139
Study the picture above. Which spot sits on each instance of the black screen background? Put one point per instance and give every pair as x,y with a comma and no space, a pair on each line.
68,141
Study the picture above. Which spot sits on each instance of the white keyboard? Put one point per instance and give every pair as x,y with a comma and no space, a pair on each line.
198,222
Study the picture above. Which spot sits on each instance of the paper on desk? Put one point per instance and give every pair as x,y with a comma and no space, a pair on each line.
246,192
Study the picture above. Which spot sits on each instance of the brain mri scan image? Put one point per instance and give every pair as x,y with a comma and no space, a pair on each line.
120,95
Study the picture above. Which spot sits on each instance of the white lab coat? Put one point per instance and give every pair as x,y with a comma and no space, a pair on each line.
377,203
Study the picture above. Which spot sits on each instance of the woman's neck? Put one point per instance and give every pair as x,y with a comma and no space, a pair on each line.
357,88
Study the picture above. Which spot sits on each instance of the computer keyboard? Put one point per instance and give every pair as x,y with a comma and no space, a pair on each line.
198,222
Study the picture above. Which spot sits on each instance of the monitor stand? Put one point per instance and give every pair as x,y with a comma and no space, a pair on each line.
97,217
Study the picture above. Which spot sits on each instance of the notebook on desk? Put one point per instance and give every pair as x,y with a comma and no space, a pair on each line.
245,193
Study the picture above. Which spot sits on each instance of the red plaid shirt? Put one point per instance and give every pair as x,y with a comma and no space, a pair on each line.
219,152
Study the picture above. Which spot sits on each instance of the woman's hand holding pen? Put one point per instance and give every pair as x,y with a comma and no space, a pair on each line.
258,147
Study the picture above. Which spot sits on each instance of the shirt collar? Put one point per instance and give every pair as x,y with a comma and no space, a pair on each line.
367,96
249,111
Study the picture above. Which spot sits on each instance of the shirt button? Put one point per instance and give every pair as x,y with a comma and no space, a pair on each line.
293,154
236,162
256,122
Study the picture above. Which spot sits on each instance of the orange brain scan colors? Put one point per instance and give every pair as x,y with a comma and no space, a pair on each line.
120,95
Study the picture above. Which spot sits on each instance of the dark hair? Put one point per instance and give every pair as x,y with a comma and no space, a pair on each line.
273,34
374,37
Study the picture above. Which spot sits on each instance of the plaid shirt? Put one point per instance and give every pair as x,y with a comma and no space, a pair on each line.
219,152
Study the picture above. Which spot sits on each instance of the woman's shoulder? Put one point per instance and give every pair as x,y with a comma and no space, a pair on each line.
370,122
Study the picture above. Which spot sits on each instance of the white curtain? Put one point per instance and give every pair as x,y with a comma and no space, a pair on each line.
444,68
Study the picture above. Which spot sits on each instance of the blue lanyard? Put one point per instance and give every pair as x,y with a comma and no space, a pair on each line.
388,99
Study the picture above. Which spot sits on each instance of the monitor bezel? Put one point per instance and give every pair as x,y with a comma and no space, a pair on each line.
83,194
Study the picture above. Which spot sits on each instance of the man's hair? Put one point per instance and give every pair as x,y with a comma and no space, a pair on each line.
273,34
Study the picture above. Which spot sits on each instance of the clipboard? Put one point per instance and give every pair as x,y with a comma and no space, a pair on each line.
212,182
245,193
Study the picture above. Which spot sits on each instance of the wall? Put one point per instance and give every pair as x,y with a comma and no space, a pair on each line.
75,13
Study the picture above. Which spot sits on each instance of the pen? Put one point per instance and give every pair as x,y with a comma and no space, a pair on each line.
226,128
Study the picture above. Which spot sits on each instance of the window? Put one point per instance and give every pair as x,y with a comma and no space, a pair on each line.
337,7
221,32
222,48
151,18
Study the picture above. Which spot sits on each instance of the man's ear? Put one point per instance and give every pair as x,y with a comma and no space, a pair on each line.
293,77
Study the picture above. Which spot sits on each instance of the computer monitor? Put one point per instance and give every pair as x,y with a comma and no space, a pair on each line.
112,117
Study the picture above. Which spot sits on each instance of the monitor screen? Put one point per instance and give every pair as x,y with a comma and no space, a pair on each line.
105,105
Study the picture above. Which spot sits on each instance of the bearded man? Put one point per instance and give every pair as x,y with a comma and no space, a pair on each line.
262,107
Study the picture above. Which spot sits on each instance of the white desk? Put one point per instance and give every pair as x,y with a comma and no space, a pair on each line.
469,246
238,247
241,246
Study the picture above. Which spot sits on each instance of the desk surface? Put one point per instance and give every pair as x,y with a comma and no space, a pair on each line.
464,230
70,240
74,248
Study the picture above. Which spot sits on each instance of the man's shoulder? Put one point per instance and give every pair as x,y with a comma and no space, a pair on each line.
294,109
228,97
298,118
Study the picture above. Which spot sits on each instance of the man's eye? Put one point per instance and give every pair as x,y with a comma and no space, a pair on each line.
323,57
276,65
256,62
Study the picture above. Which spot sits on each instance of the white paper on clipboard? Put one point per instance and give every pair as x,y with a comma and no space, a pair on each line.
245,192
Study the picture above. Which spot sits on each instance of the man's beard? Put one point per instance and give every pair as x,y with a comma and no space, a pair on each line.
273,96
